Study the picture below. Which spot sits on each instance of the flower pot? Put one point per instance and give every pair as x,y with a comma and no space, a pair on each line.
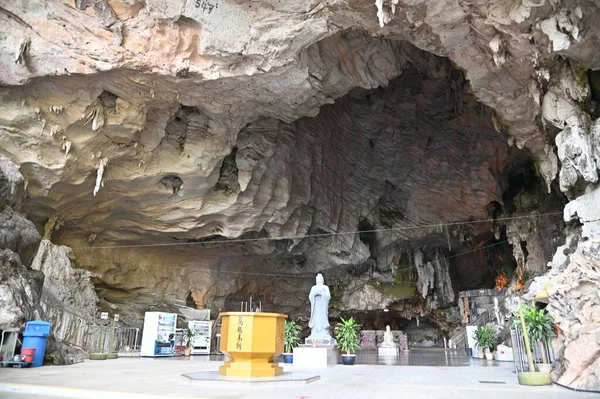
288,358
488,355
534,379
348,359
110,356
544,367
481,354
186,352
97,356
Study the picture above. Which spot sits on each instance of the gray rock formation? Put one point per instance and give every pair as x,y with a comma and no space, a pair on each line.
20,287
64,285
11,185
575,306
18,235
34,289
575,298
20,291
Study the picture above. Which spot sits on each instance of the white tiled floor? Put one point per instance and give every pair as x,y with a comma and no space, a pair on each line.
162,378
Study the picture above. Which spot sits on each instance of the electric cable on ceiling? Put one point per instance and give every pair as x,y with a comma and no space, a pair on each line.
246,240
286,275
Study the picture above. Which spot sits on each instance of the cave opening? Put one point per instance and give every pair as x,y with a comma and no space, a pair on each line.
523,245
418,150
521,176
480,267
368,236
408,153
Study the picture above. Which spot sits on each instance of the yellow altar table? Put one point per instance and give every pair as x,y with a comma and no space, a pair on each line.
252,341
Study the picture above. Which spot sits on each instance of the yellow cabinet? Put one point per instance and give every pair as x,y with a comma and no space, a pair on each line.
252,341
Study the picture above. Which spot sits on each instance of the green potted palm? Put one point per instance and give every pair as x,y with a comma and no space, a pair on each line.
188,336
291,339
540,328
348,339
486,340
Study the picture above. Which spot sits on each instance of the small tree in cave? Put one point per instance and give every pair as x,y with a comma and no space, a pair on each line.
540,327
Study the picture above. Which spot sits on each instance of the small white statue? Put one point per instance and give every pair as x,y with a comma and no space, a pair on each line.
499,319
388,338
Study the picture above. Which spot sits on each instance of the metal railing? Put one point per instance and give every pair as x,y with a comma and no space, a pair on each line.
67,325
520,353
86,333
459,340
215,338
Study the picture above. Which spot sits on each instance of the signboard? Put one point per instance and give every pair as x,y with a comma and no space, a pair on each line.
104,315
116,317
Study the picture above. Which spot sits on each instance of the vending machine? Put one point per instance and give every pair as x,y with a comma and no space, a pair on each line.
158,337
201,340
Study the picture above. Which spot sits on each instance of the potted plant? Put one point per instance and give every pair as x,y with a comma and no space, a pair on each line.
478,339
540,328
291,339
188,336
348,339
486,340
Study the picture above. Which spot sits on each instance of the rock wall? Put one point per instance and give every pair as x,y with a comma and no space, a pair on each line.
68,300
573,294
575,306
20,291
64,285
20,287
29,282
575,299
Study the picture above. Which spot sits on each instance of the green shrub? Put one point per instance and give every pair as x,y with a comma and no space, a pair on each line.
539,324
291,335
485,337
347,335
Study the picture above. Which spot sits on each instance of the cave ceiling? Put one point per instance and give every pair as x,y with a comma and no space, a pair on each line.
142,123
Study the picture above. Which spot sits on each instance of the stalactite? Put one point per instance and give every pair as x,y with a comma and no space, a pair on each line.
99,183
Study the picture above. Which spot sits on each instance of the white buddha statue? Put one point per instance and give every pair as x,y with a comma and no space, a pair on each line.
319,310
388,339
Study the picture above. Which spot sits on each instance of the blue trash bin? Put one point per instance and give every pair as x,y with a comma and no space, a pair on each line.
35,336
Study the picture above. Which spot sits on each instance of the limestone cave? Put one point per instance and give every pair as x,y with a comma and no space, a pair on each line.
154,154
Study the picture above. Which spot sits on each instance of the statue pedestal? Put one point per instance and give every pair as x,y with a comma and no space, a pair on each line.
252,341
309,357
319,341
387,351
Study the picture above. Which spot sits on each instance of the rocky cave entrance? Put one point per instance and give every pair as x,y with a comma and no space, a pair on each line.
405,157
169,156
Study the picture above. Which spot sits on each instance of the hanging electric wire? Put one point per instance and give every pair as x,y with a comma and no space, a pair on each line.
271,274
317,235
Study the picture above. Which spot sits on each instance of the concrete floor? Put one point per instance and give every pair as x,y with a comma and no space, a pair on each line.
161,378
